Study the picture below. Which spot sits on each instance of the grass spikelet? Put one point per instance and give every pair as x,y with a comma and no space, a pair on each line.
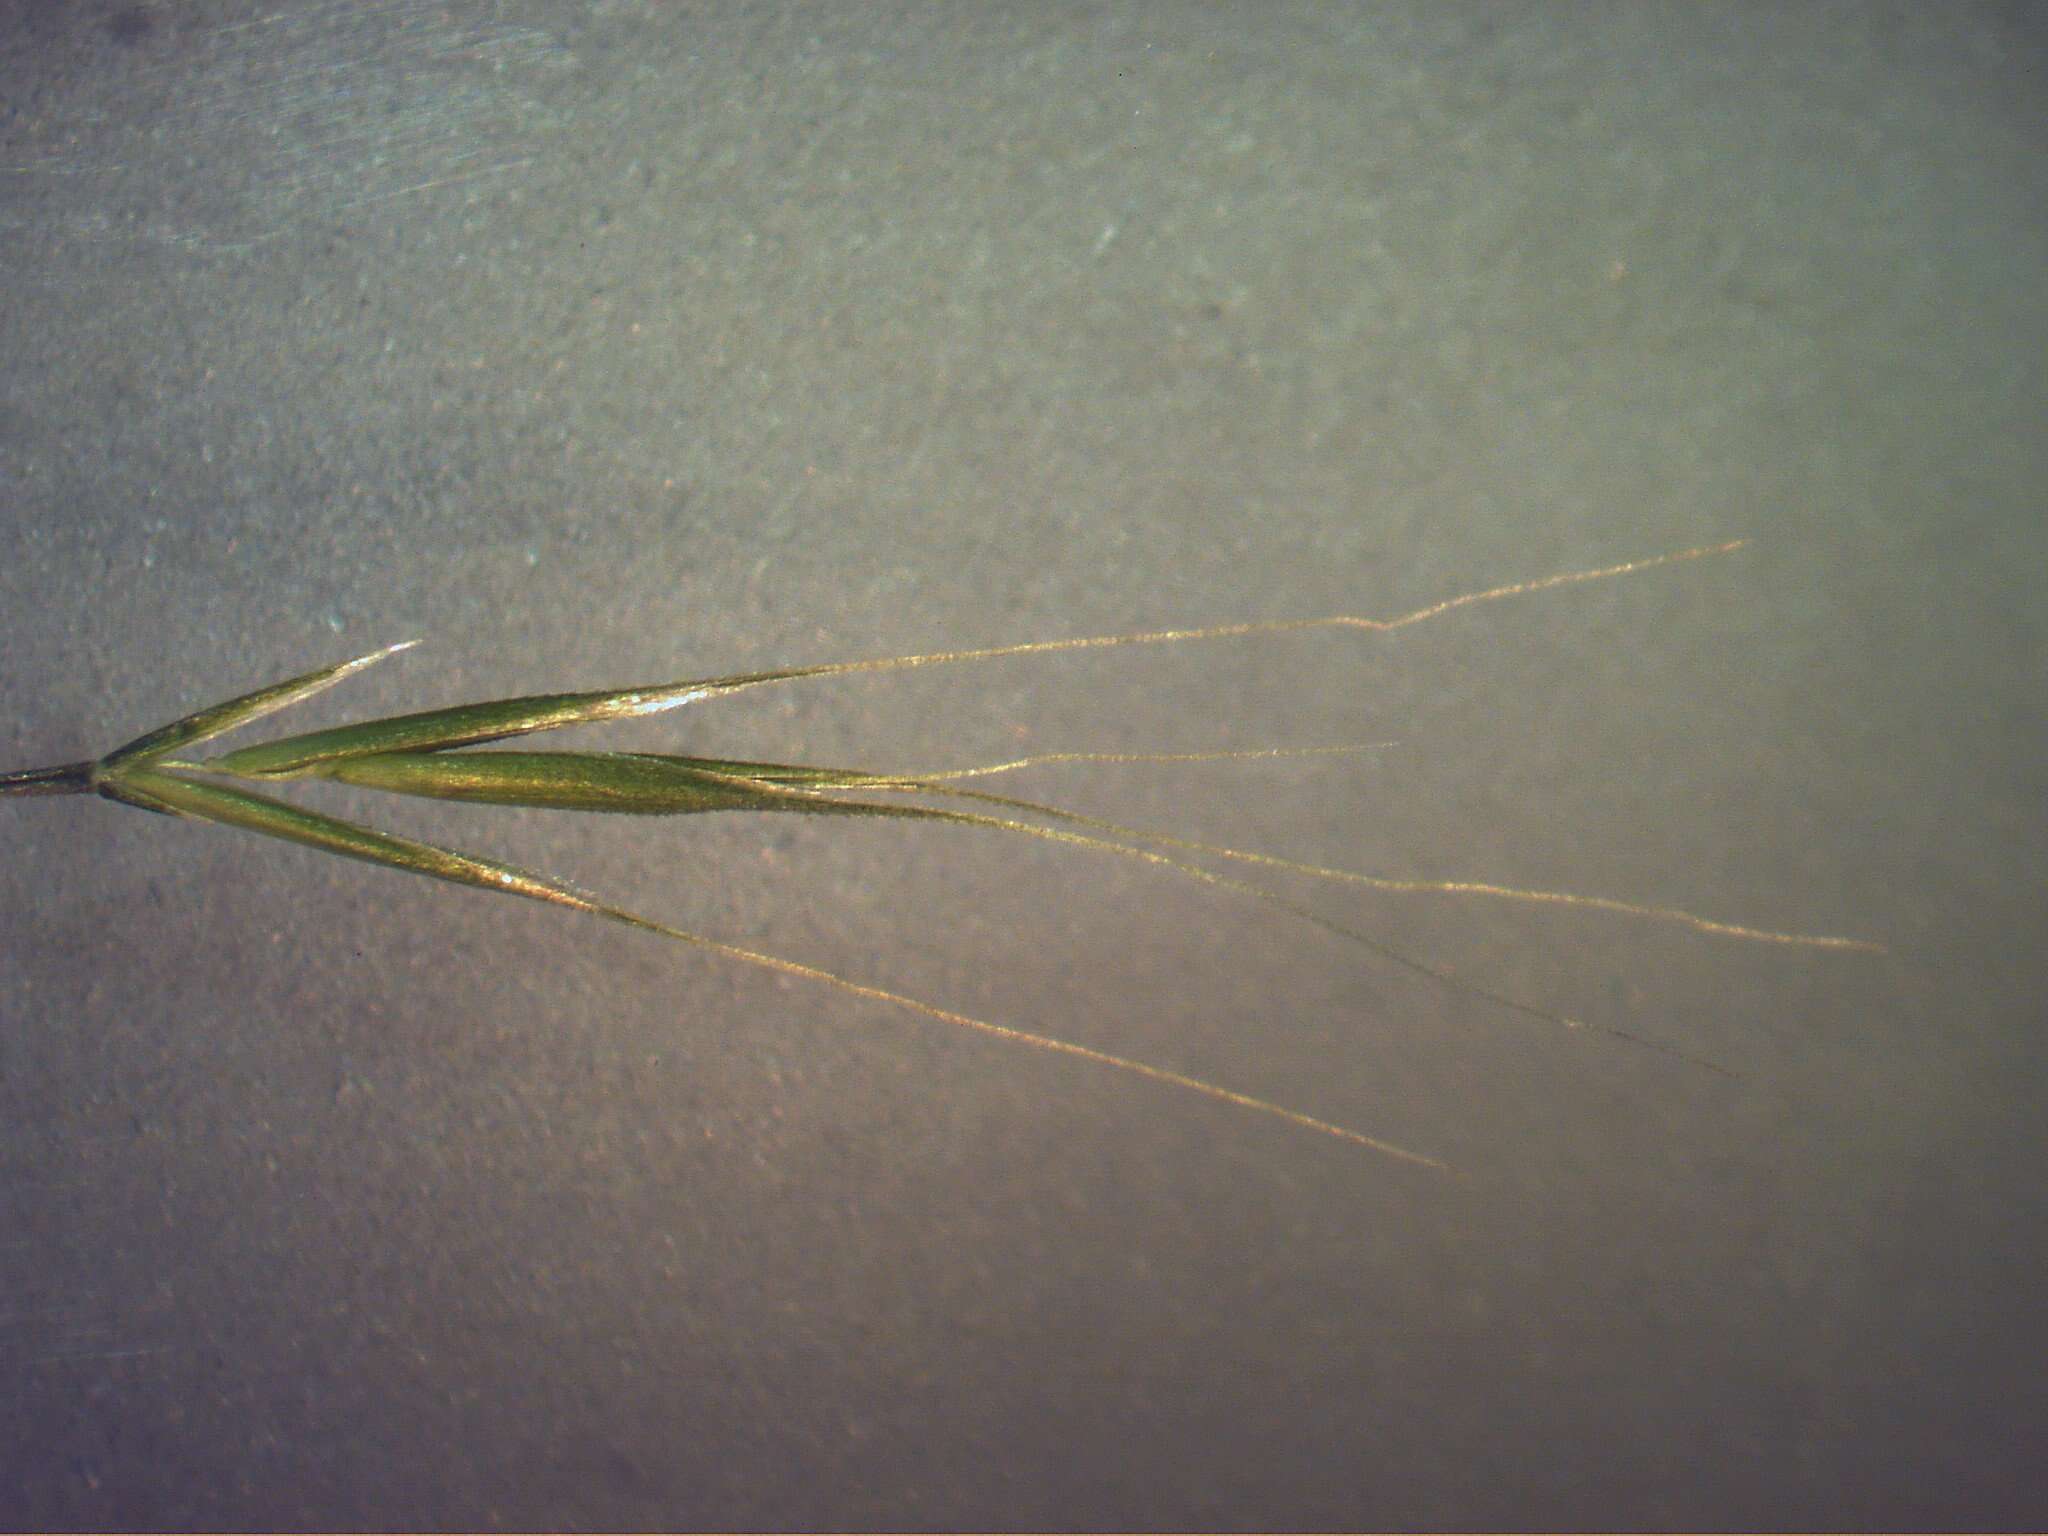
429,753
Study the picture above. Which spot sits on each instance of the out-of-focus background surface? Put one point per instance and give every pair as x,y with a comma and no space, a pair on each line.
615,342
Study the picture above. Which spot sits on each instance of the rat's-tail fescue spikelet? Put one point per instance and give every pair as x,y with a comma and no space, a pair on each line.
423,754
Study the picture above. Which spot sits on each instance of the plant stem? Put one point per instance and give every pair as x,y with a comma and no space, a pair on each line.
69,779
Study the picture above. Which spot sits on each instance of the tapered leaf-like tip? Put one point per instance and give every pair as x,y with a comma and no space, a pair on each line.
221,718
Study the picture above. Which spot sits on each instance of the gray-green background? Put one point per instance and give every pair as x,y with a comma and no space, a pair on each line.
608,343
